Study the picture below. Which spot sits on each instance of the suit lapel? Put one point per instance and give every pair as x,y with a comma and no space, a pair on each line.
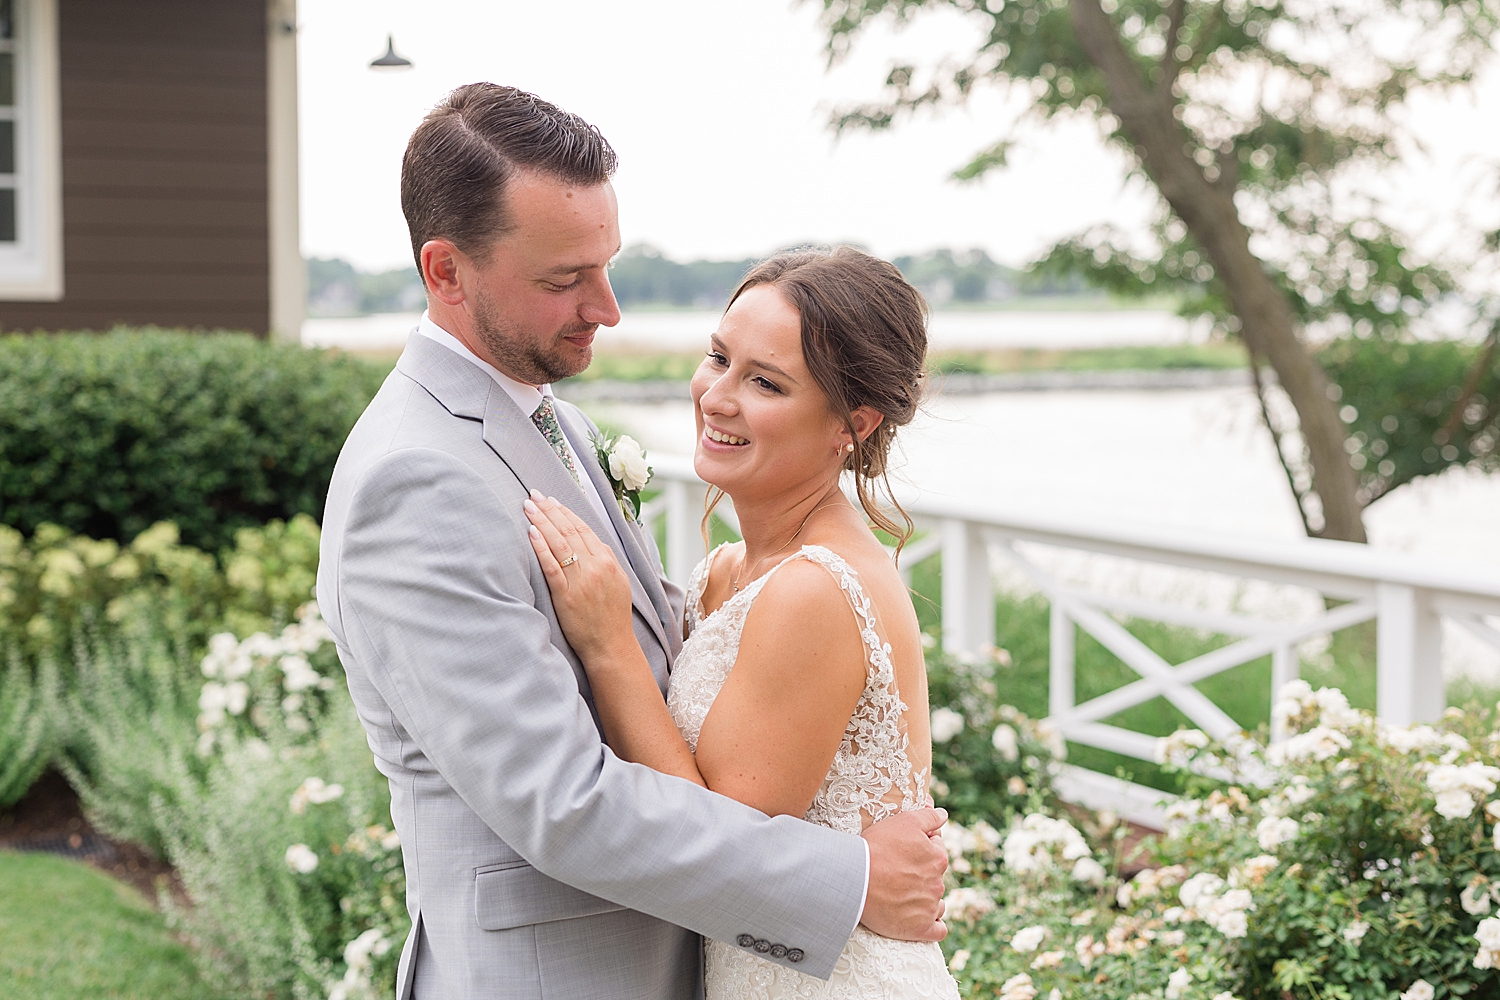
577,430
467,391
512,436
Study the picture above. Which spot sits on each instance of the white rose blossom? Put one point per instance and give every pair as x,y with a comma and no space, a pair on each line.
1419,990
1039,841
1178,982
1456,787
1089,871
959,960
1488,936
301,859
946,724
1475,899
967,904
1029,939
1317,744
316,792
1018,988
627,463
1006,742
1177,750
1049,959
1275,830
1356,932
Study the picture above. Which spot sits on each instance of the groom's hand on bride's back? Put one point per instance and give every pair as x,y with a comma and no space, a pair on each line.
907,863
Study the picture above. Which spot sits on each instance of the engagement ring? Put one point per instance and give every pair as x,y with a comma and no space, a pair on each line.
569,561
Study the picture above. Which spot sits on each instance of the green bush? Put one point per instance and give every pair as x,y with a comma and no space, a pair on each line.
65,599
106,435
989,761
1354,861
247,768
28,724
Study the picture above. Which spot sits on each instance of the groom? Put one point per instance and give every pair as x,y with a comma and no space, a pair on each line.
538,864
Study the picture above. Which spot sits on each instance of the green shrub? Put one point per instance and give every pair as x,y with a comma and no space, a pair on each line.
1354,861
28,724
989,761
64,600
107,435
253,777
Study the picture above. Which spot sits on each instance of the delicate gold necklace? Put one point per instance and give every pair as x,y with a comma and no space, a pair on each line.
734,580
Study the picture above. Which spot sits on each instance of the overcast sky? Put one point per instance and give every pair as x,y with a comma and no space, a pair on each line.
718,110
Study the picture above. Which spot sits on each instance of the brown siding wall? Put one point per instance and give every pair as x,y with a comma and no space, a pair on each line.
164,167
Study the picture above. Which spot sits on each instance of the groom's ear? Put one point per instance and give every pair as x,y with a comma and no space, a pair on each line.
440,271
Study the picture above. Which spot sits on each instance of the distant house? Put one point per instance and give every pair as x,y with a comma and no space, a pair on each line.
148,165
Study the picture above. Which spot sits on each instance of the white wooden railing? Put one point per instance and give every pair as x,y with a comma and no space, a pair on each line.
1408,597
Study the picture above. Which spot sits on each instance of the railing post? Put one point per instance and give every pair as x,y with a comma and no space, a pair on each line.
1409,657
968,591
1284,670
1060,692
684,534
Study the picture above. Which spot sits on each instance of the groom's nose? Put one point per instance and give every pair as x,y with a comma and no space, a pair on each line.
598,304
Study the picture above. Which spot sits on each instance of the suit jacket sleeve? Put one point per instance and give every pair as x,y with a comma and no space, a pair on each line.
438,601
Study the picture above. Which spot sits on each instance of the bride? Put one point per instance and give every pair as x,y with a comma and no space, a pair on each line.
801,687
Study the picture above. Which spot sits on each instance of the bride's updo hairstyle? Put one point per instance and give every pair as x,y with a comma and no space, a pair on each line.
864,339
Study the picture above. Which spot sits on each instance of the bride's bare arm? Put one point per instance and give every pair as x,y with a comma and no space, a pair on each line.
592,599
777,722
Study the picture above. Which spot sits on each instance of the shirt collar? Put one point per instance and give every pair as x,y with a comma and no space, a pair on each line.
527,397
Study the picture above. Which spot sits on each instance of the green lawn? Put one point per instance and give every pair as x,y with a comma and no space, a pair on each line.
69,932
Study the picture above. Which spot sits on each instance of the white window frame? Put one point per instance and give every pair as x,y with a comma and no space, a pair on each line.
31,269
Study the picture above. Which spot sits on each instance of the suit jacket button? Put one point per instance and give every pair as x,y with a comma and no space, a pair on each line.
778,951
794,955
745,941
762,945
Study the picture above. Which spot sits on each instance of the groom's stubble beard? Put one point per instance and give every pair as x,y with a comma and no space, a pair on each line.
534,364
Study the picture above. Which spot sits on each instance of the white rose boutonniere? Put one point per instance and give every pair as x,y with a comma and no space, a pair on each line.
624,462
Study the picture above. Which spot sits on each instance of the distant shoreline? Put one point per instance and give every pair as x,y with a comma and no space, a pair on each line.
606,390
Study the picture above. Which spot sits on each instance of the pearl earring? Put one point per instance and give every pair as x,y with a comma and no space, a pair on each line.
849,448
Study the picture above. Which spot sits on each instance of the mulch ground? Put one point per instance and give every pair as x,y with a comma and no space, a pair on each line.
50,819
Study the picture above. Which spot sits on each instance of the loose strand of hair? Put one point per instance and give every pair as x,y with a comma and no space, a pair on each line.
710,501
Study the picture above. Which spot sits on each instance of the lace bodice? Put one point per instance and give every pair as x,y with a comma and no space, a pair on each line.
871,776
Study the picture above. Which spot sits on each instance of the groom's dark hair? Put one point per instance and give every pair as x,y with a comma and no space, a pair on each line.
457,162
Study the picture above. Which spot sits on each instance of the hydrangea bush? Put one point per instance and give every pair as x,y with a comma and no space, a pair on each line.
1350,861
64,596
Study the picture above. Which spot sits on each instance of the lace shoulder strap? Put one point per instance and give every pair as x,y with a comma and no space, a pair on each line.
696,583
848,581
875,753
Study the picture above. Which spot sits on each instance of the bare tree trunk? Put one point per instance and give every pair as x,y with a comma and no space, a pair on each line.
1267,322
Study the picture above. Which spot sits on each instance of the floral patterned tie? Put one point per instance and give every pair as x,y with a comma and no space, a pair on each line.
545,418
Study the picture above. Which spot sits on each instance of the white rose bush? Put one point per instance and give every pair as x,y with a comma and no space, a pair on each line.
989,761
1350,861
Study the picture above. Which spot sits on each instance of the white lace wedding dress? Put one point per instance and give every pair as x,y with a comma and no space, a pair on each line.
871,778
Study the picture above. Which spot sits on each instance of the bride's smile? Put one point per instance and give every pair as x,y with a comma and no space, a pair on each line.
765,429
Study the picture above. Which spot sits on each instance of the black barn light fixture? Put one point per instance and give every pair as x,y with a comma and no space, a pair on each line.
390,60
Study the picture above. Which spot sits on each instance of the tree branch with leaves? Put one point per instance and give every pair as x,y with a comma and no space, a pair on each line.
1252,121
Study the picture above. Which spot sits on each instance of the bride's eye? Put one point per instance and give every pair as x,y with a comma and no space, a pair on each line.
767,384
719,360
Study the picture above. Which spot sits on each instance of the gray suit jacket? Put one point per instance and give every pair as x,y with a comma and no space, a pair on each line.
538,864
